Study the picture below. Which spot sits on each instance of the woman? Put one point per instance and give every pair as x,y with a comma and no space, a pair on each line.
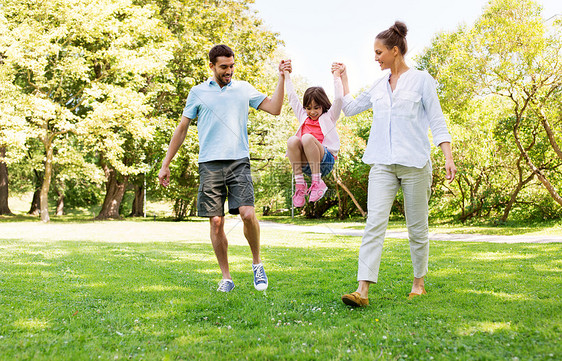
405,105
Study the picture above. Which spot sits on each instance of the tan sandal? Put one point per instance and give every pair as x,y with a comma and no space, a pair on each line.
354,299
413,294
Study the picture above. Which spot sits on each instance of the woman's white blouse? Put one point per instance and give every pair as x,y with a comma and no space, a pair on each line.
401,119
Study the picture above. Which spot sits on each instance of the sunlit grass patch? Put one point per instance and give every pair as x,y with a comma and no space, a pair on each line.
554,266
32,324
488,327
487,256
161,288
503,295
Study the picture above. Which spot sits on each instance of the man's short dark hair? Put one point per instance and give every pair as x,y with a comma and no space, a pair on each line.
220,50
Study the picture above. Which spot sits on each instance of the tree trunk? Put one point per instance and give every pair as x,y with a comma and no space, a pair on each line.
473,211
44,196
115,189
520,184
542,178
340,183
60,205
181,207
340,209
193,207
4,208
317,209
34,209
138,203
60,201
549,132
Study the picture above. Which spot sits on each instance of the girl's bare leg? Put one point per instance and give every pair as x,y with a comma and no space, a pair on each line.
314,152
296,154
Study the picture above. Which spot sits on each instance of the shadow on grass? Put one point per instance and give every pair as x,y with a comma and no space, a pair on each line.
81,300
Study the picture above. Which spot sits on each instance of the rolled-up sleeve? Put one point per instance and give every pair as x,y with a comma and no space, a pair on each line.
435,116
353,106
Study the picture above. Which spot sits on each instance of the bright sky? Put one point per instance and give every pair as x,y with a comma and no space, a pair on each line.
318,32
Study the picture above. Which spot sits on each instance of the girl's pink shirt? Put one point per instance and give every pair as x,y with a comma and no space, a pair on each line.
311,126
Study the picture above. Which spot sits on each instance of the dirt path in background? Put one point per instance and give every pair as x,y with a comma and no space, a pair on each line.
127,231
432,236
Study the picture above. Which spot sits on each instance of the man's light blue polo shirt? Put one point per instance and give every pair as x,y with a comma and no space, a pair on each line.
222,118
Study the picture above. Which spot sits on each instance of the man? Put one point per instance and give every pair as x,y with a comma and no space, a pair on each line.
220,105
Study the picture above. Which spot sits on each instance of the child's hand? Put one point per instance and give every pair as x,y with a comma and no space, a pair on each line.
338,69
285,67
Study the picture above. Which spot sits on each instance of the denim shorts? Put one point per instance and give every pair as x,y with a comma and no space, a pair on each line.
222,179
326,165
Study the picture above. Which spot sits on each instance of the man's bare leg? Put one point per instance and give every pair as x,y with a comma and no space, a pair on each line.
251,231
220,245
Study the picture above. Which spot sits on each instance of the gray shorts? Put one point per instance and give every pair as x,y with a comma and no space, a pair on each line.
223,179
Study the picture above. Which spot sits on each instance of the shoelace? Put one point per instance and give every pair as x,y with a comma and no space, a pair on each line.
223,285
316,186
260,275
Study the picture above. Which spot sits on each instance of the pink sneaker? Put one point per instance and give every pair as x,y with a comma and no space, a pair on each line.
317,191
300,193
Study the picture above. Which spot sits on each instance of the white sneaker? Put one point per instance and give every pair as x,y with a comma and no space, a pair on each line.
260,279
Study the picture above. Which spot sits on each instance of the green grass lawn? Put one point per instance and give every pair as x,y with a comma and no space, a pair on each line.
146,291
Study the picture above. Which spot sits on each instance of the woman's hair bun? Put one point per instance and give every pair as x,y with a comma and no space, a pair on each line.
400,28
395,36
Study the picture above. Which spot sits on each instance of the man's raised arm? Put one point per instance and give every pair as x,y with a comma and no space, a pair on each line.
273,105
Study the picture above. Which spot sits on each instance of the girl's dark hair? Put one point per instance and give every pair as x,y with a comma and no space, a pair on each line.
395,36
319,96
220,50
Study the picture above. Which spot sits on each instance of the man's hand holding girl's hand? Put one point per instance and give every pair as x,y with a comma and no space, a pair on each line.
285,66
338,69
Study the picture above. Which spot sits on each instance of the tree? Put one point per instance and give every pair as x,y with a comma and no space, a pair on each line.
70,58
4,208
499,83
524,63
13,129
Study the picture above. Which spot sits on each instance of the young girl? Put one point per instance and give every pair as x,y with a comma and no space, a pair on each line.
315,146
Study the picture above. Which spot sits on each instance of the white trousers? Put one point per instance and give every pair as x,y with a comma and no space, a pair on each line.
384,182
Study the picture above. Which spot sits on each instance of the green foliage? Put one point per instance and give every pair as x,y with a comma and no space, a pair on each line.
499,84
115,74
81,194
83,67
